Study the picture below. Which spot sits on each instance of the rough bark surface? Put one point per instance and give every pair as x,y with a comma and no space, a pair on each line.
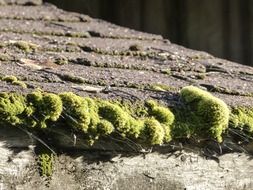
58,51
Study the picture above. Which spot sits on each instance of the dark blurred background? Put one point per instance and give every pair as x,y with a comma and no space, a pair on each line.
223,28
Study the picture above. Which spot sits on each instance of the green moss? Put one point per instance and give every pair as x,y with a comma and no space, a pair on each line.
11,108
118,117
76,110
72,78
44,107
208,114
9,78
161,87
105,127
46,164
163,115
201,76
13,80
123,122
19,83
93,130
166,71
136,109
200,114
61,61
242,117
26,46
153,132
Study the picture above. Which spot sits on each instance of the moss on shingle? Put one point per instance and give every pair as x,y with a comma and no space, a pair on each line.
25,46
203,113
200,114
14,81
75,108
242,118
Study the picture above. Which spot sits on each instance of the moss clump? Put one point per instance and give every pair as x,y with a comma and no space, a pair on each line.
72,78
201,114
20,83
13,80
76,110
153,132
152,126
61,61
242,117
9,78
105,127
25,46
161,87
163,115
166,71
201,76
46,164
44,107
121,120
136,109
95,127
209,114
11,108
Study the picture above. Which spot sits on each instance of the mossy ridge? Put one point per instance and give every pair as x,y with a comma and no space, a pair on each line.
143,54
202,114
93,117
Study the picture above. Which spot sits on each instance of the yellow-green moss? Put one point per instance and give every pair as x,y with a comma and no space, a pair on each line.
61,61
161,87
209,115
152,126
72,78
9,78
20,83
75,109
242,117
163,115
14,80
105,127
153,132
93,130
44,107
25,46
120,119
11,107
46,164
200,114
136,109
166,71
